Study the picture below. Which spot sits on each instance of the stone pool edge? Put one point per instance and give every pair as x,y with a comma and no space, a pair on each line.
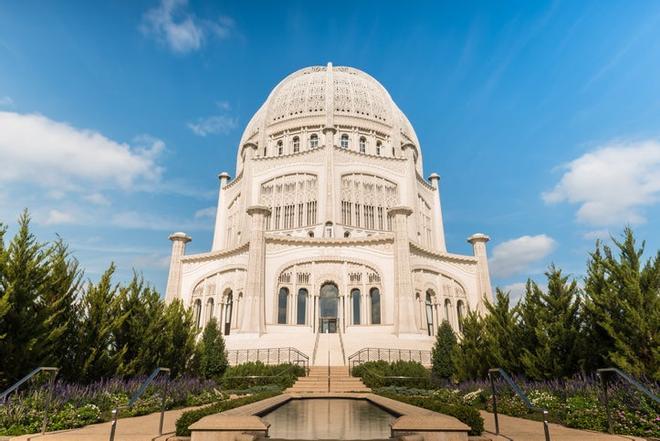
244,422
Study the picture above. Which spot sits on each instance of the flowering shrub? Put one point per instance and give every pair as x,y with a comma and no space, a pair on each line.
75,405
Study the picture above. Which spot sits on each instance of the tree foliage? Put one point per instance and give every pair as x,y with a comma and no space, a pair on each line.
212,352
442,355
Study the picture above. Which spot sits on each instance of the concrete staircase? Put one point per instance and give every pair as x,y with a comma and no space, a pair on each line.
317,381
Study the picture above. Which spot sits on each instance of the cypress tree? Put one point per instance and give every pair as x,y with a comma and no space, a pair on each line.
623,308
501,334
101,317
470,354
60,297
557,330
180,333
24,278
442,364
4,302
212,353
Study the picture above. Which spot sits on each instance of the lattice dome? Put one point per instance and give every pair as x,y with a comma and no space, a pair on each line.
307,96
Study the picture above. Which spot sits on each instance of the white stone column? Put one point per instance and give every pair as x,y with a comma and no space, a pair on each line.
253,315
404,303
179,241
438,226
220,215
478,242
409,197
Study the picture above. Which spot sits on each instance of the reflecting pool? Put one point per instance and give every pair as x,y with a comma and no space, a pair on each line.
329,418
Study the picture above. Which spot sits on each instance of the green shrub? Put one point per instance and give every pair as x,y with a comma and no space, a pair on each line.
282,375
448,403
192,416
374,374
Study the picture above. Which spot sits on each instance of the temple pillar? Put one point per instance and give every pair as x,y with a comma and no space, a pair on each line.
438,226
404,305
409,195
478,242
219,237
253,319
173,290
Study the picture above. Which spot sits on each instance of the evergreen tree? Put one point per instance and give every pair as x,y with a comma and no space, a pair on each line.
442,366
501,334
100,356
60,298
623,307
212,353
180,333
529,309
470,354
24,278
141,334
4,302
557,330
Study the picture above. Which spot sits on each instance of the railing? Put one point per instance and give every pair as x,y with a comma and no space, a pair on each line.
268,356
389,355
136,396
604,374
54,370
520,394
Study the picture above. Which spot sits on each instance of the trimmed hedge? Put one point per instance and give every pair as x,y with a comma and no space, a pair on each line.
192,416
283,375
446,404
373,374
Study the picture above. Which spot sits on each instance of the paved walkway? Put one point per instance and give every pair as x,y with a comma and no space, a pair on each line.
142,428
520,429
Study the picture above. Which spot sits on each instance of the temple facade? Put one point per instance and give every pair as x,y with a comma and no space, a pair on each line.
329,227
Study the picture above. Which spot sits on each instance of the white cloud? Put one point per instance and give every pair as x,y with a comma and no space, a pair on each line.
146,221
205,212
603,234
97,199
58,217
611,184
151,261
516,255
213,124
171,23
60,157
6,101
223,105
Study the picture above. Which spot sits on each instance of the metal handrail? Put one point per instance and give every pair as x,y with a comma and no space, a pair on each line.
520,394
19,383
602,373
136,396
388,354
283,355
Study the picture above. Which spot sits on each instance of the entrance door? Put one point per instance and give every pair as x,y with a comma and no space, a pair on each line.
328,308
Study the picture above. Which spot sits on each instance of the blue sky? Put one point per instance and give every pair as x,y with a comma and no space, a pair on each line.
543,119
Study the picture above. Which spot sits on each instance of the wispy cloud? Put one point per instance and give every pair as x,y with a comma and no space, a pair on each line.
205,212
59,217
6,101
611,184
517,255
217,124
182,31
516,291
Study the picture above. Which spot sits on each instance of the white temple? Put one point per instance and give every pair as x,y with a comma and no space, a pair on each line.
329,227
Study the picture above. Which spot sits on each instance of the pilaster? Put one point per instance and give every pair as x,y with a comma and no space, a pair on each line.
438,225
220,215
404,307
478,242
253,317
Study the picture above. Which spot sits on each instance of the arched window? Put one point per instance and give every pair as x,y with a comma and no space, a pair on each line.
229,310
447,308
310,234
375,306
355,300
198,312
378,147
282,305
280,148
296,144
209,309
460,310
302,306
429,312
344,141
328,229
347,234
314,141
363,144
393,152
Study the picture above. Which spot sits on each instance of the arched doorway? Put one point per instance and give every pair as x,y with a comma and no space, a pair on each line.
328,308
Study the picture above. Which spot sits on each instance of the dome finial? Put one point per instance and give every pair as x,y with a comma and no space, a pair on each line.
329,65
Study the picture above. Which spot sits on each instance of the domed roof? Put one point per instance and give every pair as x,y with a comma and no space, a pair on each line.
328,95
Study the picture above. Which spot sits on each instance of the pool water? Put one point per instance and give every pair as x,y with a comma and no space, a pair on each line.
329,418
